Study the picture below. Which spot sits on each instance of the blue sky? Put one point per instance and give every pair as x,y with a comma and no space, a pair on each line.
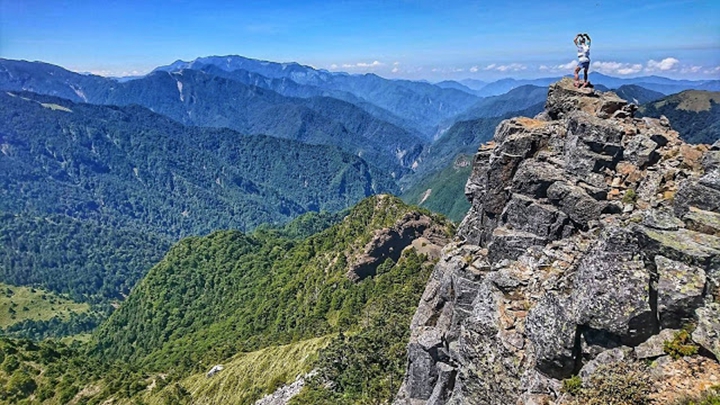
417,39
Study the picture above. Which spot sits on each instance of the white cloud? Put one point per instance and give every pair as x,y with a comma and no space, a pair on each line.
664,65
474,69
568,66
395,70
396,63
691,69
616,68
358,65
619,68
629,69
512,67
367,65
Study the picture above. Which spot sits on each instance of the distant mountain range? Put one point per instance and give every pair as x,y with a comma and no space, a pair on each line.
637,94
401,128
656,83
519,98
422,104
128,166
694,114
197,98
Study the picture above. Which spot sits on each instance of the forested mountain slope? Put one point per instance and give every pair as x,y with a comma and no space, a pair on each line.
274,297
131,167
84,259
199,98
693,113
422,104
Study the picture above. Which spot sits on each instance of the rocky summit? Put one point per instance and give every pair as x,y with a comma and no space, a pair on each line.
593,240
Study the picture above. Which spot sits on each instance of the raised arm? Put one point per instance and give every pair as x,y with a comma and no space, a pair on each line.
576,39
588,39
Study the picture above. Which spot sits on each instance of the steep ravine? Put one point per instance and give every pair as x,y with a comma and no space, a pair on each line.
592,237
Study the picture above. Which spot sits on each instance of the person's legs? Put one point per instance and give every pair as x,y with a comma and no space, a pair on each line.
585,73
577,79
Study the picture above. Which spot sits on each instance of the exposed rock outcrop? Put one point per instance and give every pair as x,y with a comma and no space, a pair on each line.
591,236
284,394
413,228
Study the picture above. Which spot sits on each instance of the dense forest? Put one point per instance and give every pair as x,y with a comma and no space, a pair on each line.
213,297
87,261
126,166
261,288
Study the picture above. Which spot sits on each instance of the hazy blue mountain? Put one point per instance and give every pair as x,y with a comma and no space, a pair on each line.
203,99
505,85
655,83
637,94
209,100
711,85
131,167
473,84
423,104
289,88
695,114
516,99
451,84
44,78
463,137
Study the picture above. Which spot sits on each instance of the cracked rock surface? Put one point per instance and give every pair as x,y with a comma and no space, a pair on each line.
592,236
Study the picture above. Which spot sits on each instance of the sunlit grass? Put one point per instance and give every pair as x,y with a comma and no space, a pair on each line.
248,376
18,304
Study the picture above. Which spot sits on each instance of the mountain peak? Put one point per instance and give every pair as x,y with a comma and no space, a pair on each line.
589,242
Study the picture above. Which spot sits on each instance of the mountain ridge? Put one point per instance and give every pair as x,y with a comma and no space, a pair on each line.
115,145
590,250
201,99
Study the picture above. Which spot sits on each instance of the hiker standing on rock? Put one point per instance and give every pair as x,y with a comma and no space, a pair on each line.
582,41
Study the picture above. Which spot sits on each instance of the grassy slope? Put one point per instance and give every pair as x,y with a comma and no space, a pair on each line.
444,191
246,375
23,303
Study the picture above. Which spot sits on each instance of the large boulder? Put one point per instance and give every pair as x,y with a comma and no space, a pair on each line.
707,332
680,291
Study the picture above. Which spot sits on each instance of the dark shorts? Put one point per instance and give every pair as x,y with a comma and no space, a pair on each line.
584,65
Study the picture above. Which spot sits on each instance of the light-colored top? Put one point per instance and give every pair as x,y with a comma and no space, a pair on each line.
583,52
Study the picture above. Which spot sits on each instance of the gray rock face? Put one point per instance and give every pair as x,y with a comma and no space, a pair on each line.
590,235
576,203
612,289
284,394
654,347
707,333
681,289
389,243
551,328
610,356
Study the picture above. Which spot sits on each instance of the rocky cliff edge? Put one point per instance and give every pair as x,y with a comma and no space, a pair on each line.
592,237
